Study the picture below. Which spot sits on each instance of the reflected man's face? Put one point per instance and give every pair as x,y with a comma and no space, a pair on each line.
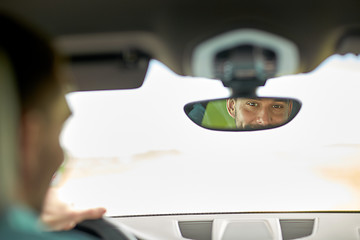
258,113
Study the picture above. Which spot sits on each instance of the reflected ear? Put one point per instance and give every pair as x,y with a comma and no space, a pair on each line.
290,107
230,107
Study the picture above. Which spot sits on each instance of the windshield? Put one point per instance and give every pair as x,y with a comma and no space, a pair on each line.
135,151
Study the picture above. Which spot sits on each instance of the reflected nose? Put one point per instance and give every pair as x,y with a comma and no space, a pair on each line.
263,118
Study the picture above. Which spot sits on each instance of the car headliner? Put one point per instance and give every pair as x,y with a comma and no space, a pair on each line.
169,30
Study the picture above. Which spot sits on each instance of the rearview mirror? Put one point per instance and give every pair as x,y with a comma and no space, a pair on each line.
242,113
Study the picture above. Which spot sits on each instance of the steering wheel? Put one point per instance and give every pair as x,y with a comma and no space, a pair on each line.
103,229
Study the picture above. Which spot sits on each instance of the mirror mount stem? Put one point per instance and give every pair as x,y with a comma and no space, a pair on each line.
244,87
243,93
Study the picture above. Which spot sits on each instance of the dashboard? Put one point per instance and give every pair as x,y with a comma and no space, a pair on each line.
255,226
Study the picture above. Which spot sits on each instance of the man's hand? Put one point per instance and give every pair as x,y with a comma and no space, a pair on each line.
59,215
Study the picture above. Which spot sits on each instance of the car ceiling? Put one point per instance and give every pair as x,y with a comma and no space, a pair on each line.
177,26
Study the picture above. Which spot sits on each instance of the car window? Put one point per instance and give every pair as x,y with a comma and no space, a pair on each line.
135,151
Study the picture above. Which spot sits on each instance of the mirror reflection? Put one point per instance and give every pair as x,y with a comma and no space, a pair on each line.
242,113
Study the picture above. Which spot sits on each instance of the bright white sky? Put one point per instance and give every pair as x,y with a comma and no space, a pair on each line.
190,169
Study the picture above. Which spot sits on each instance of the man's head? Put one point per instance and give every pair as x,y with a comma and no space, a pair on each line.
258,113
43,108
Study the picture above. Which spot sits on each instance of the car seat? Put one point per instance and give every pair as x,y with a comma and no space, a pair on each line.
8,132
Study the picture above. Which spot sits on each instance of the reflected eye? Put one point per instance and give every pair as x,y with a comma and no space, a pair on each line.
252,104
277,106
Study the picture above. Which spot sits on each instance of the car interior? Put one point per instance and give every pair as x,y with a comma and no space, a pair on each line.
296,178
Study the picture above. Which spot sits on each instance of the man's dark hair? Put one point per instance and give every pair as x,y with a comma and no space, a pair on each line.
33,60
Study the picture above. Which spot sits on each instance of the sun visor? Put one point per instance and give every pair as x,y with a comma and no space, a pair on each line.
122,70
107,61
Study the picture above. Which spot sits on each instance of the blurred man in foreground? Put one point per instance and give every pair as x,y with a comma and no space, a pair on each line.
40,87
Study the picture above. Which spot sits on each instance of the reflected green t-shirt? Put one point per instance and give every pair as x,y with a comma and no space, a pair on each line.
216,116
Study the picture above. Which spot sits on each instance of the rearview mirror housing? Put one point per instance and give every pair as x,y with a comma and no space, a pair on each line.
243,113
